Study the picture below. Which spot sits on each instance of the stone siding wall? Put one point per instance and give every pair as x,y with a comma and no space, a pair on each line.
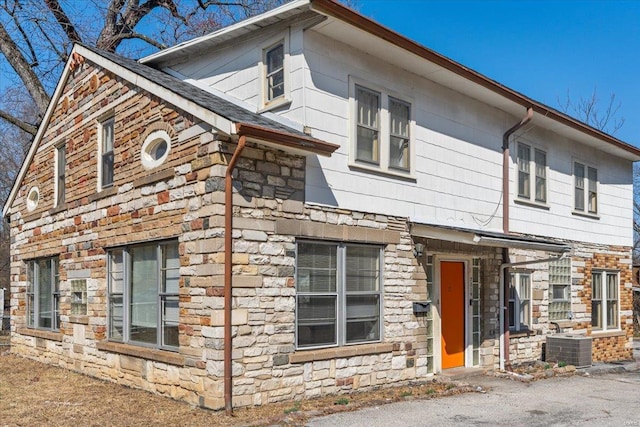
183,199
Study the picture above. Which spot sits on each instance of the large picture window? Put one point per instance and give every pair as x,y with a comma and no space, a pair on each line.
43,294
604,300
338,298
143,294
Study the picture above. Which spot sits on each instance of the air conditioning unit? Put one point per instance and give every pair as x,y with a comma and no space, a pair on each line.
571,349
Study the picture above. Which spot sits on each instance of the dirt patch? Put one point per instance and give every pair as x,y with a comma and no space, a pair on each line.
32,393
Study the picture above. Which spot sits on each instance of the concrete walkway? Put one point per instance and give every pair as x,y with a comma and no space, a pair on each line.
602,395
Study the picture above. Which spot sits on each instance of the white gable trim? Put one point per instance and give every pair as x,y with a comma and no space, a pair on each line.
220,123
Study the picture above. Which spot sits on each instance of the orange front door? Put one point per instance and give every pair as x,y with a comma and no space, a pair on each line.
452,313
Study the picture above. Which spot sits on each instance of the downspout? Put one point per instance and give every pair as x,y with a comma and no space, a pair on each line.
503,284
505,167
504,341
228,283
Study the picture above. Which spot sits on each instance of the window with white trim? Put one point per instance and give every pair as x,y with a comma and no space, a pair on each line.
274,72
604,300
585,180
155,149
532,161
143,282
43,294
60,177
338,294
519,301
106,153
382,136
560,289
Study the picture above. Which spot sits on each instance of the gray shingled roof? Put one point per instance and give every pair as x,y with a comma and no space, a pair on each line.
199,96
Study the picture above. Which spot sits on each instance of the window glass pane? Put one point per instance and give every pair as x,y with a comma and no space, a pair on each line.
316,320
116,317
578,171
144,294
363,318
107,169
275,72
541,176
107,136
317,269
61,152
596,303
368,110
363,269
612,300
170,268
523,171
116,272
400,115
593,190
31,275
170,319
45,301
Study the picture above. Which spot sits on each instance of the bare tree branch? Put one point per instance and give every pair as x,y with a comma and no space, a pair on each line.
63,20
22,67
27,127
593,113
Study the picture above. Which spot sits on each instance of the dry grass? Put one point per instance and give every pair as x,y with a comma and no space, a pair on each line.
34,394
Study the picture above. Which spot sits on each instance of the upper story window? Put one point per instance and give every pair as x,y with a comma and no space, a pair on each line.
586,188
275,84
143,294
382,137
274,59
60,177
338,294
106,153
604,300
43,294
532,173
520,301
560,289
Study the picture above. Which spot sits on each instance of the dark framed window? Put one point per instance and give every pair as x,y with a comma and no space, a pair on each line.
520,301
61,165
106,153
143,294
338,294
43,294
274,59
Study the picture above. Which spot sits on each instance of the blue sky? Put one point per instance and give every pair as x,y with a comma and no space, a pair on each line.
540,48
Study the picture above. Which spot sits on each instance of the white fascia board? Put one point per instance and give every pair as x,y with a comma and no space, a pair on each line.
163,54
38,136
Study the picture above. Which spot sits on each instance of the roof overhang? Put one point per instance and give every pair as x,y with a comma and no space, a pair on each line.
292,143
486,238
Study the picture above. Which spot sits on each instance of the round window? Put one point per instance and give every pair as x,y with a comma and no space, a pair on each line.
155,149
33,198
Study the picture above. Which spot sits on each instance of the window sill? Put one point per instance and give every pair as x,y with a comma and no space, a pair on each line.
407,176
339,352
156,355
105,192
57,209
80,319
275,104
162,175
39,333
585,214
522,333
532,204
608,334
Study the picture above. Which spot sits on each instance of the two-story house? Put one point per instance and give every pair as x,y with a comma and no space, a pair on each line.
304,203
